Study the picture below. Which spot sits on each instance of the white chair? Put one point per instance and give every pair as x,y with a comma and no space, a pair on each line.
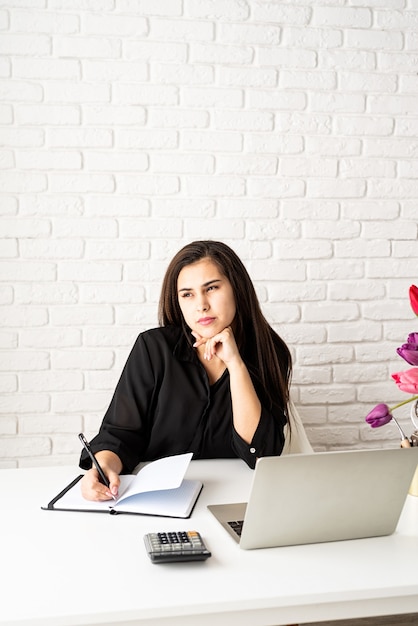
296,442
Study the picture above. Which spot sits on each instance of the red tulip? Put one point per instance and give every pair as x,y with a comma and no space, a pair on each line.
407,381
413,297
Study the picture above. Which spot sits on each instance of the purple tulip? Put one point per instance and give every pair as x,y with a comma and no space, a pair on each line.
379,416
409,351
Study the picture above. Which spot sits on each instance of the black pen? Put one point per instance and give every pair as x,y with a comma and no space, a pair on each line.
102,475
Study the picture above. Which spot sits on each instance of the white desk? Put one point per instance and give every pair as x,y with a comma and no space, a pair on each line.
61,569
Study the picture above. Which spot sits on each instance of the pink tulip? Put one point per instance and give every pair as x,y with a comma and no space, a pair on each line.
407,381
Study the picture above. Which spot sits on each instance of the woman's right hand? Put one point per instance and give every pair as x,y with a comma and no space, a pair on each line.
92,488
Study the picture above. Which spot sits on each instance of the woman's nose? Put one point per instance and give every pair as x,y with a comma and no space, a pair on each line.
202,304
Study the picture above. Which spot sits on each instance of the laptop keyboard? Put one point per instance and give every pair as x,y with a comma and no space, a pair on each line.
237,526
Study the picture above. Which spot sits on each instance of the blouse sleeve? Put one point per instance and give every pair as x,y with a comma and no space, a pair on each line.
124,429
268,439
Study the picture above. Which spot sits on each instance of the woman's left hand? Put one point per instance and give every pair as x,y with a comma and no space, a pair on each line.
222,345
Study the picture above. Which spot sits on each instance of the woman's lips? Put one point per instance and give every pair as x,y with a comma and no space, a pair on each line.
205,321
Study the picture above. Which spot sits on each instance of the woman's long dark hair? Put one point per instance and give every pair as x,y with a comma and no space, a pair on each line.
266,355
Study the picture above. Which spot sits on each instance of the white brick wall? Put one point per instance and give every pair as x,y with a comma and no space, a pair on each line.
127,128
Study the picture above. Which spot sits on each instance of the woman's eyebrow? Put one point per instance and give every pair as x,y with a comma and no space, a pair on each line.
209,282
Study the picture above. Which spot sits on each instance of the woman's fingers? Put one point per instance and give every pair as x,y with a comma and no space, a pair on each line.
222,345
93,489
199,340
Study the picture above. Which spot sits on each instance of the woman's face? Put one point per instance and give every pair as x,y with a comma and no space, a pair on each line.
206,298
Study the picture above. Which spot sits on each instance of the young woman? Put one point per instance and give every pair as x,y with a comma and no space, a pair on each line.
212,379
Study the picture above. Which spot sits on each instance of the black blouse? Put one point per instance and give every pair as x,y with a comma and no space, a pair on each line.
164,405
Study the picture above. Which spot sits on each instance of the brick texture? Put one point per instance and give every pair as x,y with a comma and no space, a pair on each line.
287,130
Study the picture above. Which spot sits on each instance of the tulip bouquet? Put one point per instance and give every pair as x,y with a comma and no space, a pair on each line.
407,381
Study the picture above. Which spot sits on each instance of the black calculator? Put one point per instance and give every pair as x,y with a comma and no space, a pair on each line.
168,547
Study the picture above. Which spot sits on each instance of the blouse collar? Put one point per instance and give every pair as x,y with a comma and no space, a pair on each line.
183,349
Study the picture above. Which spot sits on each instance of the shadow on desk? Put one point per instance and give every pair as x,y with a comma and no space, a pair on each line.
410,619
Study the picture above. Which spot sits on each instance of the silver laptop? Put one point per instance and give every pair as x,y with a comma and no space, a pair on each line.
326,496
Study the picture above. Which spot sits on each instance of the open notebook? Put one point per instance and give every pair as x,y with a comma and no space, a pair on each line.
159,488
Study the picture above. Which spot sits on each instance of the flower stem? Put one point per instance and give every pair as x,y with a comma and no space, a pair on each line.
403,436
402,403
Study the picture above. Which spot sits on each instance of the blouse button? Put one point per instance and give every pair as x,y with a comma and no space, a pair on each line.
252,450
